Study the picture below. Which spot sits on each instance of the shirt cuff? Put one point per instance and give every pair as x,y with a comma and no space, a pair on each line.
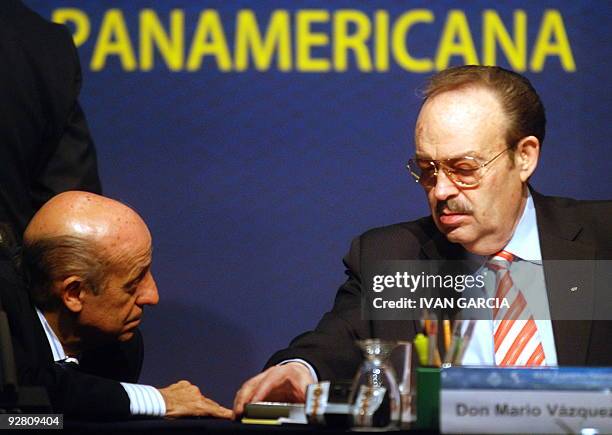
145,400
313,373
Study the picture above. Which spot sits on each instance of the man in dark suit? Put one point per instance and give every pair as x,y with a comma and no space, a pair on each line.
87,263
45,146
478,140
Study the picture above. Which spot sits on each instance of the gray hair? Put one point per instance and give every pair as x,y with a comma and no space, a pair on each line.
54,258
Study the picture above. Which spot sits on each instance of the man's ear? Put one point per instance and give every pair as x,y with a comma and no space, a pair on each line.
71,291
526,156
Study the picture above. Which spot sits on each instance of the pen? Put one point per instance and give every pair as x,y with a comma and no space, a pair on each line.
446,325
465,341
449,357
433,352
426,323
420,344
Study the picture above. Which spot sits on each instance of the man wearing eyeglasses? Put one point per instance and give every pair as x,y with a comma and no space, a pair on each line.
478,140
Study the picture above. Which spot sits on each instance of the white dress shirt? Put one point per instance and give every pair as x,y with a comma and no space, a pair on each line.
525,246
144,399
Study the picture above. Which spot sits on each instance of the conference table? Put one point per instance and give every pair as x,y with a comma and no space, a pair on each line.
202,426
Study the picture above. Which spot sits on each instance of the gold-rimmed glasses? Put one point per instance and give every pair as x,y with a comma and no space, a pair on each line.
466,171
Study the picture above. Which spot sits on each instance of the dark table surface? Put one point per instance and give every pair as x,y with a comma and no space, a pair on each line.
201,426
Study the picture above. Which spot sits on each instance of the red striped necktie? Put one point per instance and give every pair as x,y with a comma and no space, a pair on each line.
516,337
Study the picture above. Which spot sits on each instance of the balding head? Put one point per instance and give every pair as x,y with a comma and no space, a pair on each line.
519,101
86,216
83,235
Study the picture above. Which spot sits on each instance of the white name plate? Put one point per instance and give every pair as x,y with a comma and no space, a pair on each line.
524,411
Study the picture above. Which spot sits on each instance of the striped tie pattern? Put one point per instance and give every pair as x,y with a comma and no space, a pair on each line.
516,338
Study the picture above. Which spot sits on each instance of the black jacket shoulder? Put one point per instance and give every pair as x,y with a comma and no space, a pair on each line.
583,221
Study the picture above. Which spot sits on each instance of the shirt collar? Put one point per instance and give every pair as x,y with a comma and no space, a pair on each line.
525,242
56,346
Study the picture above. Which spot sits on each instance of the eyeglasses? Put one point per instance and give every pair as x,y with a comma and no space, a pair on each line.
463,171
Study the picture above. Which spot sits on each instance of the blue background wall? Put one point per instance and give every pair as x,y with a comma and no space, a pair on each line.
254,183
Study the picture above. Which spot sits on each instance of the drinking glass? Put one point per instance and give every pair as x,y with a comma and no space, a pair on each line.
375,396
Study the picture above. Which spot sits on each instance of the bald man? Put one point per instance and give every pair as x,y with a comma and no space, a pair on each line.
87,260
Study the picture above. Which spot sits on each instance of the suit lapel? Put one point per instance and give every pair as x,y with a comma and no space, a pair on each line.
559,240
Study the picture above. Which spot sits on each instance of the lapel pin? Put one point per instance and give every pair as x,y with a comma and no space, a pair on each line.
573,289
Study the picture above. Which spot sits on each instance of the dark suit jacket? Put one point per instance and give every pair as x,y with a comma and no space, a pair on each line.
90,389
45,146
568,230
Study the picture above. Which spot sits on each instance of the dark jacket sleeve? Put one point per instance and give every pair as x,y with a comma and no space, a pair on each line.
330,347
90,389
74,393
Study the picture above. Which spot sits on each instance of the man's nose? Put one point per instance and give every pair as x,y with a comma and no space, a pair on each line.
445,187
148,293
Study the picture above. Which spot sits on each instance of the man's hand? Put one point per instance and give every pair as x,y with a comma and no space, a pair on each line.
286,383
184,400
